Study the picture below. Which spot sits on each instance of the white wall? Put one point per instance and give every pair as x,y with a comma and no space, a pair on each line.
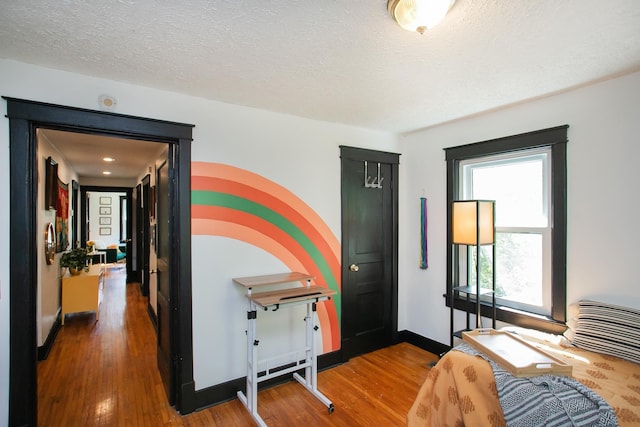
48,293
603,203
299,154
109,231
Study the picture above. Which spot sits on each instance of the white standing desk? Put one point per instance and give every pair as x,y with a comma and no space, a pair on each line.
306,294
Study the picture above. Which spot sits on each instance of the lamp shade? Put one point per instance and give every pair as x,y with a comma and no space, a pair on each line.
470,219
418,15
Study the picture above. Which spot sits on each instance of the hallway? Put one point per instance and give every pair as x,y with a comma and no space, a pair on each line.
104,373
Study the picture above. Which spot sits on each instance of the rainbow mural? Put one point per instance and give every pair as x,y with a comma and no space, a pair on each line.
238,204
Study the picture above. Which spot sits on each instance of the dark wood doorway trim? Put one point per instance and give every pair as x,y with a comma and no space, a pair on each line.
143,241
83,236
24,118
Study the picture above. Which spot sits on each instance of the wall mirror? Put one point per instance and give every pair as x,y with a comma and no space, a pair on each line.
49,243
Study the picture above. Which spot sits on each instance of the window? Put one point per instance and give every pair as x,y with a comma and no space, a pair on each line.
519,183
526,176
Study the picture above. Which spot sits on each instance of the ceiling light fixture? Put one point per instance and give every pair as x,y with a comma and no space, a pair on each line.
419,15
106,173
108,159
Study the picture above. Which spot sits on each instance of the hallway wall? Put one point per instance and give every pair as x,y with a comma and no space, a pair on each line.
49,278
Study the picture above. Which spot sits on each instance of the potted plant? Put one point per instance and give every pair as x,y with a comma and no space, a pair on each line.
75,260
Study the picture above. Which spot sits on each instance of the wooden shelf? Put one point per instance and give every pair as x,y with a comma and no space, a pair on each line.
272,279
291,295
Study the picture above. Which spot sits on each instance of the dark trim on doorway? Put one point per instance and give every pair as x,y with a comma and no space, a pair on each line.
83,237
24,118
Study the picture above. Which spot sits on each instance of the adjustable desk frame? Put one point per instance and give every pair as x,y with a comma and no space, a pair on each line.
275,300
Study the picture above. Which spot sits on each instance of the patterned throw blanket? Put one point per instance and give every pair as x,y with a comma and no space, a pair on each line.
546,400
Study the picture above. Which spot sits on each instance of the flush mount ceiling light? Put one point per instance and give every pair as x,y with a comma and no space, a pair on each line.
419,15
108,159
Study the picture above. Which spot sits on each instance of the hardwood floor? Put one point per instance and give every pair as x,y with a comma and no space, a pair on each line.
104,374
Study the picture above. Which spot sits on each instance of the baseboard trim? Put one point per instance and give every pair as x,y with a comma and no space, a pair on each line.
227,391
45,348
424,343
153,317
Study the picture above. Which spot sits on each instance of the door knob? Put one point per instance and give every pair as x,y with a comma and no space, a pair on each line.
354,267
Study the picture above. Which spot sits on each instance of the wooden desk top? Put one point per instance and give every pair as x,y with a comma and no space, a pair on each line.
296,294
291,295
272,279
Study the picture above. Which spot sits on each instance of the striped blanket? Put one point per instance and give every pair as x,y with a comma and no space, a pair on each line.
546,400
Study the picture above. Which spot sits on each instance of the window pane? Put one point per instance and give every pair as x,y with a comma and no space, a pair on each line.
519,268
517,186
486,265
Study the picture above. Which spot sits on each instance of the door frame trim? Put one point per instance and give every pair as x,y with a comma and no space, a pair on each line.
82,235
24,118
361,154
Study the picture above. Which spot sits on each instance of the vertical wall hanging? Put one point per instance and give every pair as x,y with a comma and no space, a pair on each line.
424,253
62,216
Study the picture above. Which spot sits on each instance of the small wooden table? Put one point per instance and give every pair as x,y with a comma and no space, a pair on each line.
307,294
82,292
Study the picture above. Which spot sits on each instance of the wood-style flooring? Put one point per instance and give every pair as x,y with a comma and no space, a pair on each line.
104,374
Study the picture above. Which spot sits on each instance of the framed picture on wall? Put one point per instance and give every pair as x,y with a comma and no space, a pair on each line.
105,231
50,184
105,210
105,220
105,200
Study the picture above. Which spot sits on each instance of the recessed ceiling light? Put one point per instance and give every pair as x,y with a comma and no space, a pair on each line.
106,173
108,159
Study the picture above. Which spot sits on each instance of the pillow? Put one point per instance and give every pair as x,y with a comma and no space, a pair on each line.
606,328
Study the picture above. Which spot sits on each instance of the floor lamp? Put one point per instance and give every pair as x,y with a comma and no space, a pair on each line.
473,224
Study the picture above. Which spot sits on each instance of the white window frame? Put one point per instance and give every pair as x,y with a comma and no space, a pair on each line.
544,228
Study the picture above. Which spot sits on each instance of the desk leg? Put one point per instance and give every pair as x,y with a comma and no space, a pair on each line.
311,358
250,400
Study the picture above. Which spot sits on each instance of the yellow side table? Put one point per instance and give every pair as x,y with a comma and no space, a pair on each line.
82,292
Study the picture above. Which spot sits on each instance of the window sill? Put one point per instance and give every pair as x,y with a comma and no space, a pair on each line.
512,316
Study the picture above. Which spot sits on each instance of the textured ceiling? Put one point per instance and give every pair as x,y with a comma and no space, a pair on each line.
343,61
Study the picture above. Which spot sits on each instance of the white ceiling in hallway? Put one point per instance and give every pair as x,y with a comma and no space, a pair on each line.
85,154
343,61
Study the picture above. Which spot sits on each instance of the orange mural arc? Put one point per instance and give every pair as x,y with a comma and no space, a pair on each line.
238,204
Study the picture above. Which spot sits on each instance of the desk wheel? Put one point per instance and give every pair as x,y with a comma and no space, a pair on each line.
331,408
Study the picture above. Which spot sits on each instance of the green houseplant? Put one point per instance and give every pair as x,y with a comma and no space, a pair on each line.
75,260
